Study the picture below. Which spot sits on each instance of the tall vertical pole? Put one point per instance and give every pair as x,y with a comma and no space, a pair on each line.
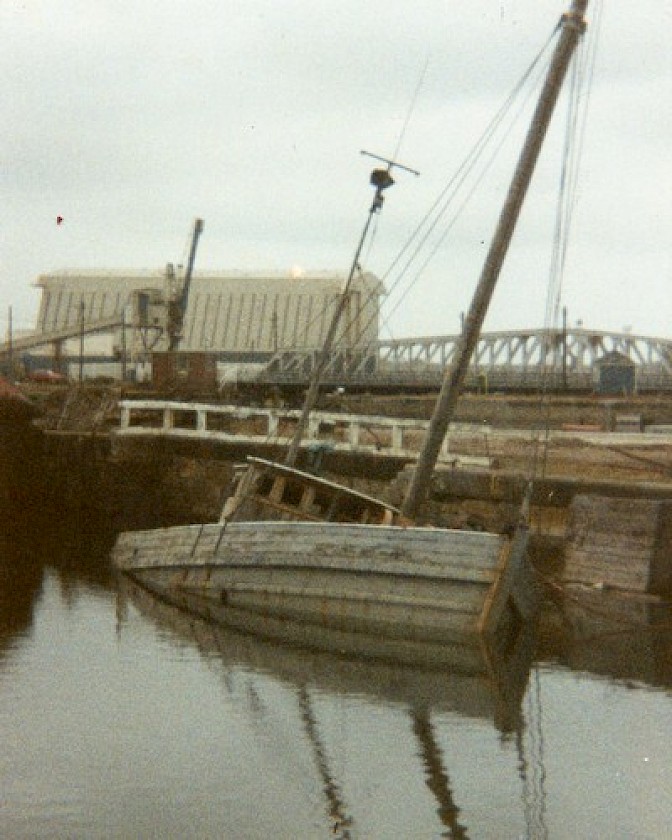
564,348
10,346
123,344
573,26
81,341
310,400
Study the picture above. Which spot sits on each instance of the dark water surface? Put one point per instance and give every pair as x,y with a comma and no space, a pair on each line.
123,718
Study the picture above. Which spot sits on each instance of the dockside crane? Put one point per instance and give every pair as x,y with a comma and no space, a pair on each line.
177,306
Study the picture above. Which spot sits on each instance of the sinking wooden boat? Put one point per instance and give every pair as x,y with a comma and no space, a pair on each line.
293,547
316,552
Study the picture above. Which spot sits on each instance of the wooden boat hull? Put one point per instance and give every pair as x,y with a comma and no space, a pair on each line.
410,584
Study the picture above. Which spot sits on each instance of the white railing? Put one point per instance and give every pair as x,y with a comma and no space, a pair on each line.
386,436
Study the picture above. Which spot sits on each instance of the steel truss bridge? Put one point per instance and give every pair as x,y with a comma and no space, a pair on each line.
512,360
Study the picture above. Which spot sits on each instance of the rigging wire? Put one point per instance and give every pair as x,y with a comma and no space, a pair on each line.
447,195
411,109
452,221
580,88
450,191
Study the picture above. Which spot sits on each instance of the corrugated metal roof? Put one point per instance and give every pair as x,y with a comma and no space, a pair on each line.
227,310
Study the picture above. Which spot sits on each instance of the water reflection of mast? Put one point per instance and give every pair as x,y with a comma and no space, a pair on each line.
437,778
532,769
337,814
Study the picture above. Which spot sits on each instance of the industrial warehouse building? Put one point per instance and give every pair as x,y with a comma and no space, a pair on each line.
114,316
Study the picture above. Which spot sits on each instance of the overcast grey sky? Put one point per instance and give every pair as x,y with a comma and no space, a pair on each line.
128,119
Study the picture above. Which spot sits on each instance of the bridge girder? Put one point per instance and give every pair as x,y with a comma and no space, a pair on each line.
526,353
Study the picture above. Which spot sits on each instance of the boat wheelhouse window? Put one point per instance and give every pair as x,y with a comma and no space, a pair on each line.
292,493
280,489
345,509
265,485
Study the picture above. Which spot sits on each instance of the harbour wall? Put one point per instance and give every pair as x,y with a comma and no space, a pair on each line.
516,411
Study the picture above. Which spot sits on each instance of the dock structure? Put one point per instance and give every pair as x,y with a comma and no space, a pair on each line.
393,436
622,543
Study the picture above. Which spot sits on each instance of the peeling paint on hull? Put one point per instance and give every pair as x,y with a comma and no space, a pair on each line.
424,584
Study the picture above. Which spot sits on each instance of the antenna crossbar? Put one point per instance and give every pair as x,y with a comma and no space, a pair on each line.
390,163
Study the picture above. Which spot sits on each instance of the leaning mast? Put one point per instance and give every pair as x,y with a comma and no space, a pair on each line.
572,26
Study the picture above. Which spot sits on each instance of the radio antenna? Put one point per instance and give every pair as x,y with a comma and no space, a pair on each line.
380,179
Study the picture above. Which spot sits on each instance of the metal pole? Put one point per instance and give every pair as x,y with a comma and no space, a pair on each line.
81,341
573,26
564,348
10,347
323,357
381,180
123,344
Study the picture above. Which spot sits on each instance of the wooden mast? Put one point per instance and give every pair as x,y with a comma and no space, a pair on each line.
572,26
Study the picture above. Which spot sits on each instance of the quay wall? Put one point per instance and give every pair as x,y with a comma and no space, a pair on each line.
74,486
71,473
84,486
515,411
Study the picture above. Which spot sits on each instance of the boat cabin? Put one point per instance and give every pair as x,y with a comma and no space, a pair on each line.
268,490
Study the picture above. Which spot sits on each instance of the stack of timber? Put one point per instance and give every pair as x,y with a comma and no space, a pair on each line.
623,543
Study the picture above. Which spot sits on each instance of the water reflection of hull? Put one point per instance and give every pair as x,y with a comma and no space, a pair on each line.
21,576
467,680
615,635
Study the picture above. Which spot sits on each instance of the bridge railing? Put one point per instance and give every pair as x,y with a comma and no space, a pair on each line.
385,436
515,359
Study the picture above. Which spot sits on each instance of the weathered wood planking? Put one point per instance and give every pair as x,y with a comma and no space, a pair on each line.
404,582
418,552
624,543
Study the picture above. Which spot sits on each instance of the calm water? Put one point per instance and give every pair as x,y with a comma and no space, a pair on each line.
122,718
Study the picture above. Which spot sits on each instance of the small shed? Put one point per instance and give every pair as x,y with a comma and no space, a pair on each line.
192,369
615,373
